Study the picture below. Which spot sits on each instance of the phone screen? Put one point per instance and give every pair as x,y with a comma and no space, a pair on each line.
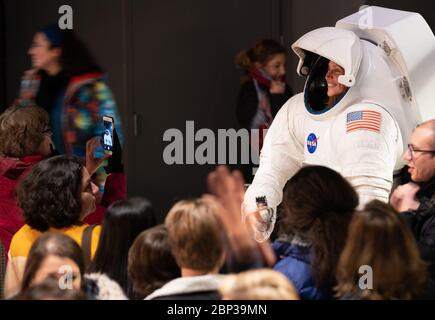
108,135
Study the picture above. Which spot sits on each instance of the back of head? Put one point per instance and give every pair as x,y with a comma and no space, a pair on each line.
50,244
21,130
76,58
150,261
123,222
196,235
380,239
262,52
50,194
320,202
429,128
262,284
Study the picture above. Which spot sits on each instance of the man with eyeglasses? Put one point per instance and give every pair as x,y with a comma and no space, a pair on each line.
416,200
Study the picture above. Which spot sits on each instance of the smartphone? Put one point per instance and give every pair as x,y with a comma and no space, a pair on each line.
108,125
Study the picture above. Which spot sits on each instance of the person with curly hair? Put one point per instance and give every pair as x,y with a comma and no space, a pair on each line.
25,140
55,196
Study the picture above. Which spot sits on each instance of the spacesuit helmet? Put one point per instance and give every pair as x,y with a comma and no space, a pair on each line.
316,88
315,49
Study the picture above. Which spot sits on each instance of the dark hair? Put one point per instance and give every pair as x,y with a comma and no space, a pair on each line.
123,221
75,58
50,194
51,244
262,52
320,202
150,261
49,290
379,238
21,130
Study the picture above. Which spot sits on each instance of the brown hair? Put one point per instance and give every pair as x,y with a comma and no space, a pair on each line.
260,284
50,244
21,130
379,238
49,290
150,261
319,201
196,235
262,52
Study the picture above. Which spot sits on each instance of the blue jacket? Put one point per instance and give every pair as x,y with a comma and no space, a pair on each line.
294,262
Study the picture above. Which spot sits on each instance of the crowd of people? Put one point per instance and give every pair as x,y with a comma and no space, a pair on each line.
61,239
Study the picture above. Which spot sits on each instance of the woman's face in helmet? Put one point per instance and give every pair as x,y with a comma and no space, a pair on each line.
334,71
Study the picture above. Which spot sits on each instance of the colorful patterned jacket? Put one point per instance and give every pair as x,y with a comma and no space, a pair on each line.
84,103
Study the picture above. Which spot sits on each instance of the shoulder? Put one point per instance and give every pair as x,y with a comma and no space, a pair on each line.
366,111
76,231
366,120
22,241
294,262
293,110
248,85
89,84
108,289
96,233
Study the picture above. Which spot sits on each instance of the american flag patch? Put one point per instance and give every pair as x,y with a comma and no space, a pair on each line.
363,120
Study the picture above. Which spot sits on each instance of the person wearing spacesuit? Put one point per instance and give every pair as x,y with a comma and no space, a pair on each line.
107,138
359,106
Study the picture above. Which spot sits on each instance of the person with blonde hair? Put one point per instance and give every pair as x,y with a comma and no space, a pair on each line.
197,240
380,240
261,284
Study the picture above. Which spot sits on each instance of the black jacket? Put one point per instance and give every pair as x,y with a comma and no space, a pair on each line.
247,102
422,223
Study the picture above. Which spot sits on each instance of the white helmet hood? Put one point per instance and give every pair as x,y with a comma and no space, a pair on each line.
339,45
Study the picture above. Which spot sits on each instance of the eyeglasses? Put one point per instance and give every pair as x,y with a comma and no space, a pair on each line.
412,150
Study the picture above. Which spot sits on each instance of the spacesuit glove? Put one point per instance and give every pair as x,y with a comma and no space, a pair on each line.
260,223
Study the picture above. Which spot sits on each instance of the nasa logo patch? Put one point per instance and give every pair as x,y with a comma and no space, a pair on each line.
312,143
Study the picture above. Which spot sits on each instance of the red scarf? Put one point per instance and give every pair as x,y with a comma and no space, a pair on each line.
257,75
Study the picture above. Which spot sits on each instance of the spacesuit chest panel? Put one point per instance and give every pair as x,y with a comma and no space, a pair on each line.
317,142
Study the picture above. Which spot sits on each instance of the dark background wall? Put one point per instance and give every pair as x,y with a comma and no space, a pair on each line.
170,61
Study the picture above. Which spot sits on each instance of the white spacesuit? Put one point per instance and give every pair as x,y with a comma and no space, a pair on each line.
107,138
389,68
